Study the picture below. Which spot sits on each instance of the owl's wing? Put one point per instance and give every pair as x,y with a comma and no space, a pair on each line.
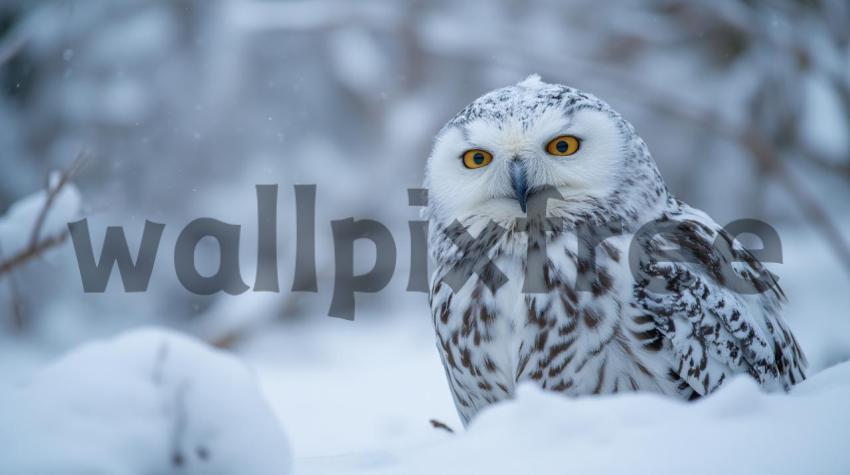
718,319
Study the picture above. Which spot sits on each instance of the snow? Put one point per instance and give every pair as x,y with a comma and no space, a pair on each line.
361,386
129,404
738,430
149,401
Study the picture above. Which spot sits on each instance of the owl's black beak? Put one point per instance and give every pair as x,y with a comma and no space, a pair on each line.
519,181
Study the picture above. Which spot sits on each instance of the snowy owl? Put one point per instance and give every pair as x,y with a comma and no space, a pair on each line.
516,298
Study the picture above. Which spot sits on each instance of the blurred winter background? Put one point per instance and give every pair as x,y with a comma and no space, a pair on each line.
181,107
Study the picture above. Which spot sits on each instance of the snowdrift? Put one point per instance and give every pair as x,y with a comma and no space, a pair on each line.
152,401
147,402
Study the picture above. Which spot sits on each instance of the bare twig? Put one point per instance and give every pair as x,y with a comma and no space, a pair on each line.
18,320
834,165
52,193
32,252
441,425
181,420
37,245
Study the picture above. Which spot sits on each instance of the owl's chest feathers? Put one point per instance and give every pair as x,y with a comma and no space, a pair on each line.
572,334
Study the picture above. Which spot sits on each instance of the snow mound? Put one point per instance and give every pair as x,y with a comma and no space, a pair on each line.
149,401
738,430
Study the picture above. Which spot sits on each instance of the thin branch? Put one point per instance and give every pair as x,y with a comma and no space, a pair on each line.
37,245
829,164
17,319
32,252
441,425
52,192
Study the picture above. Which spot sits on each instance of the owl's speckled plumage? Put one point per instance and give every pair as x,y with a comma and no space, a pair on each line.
620,333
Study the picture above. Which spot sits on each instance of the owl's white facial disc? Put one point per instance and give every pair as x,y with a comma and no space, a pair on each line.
515,125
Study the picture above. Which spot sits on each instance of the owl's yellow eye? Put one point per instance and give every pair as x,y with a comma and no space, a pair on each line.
476,158
563,145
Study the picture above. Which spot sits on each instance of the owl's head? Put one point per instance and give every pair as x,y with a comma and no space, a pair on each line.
509,144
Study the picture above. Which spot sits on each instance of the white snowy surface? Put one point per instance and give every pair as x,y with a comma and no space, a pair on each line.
361,386
356,398
739,430
146,402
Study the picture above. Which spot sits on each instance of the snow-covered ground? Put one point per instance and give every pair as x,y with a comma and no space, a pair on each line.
155,402
149,401
738,430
